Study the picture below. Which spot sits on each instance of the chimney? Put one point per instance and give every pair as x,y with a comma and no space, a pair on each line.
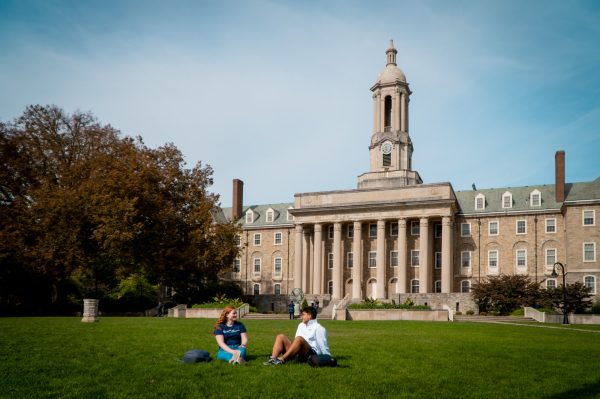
238,199
559,187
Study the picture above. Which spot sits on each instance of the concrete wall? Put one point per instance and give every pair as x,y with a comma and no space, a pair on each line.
397,314
458,302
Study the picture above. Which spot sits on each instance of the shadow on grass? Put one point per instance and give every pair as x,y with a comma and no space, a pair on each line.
583,392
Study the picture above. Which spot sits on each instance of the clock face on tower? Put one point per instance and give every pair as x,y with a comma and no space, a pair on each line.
386,147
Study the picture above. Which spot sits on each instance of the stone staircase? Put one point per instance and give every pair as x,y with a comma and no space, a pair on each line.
494,319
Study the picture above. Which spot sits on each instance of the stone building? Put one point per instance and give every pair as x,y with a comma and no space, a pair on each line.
395,237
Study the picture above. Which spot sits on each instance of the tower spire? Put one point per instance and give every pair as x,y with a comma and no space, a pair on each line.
391,53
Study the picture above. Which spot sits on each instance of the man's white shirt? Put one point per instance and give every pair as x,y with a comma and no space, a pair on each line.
316,336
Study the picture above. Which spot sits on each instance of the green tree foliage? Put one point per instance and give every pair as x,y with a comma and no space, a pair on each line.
505,293
578,298
82,207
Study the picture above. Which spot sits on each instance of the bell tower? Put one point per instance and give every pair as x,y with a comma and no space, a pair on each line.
390,149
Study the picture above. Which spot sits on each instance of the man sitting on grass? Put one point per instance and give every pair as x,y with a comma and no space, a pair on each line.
311,338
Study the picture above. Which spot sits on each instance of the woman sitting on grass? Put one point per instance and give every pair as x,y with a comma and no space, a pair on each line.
231,337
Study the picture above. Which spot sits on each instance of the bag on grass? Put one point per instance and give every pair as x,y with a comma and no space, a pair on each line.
322,361
196,356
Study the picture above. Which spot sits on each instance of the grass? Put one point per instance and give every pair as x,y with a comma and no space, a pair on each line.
139,358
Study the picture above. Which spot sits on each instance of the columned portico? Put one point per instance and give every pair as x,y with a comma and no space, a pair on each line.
424,257
447,256
380,259
318,257
298,256
402,256
337,261
357,262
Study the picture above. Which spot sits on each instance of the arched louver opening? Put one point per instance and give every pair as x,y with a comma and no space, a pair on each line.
388,113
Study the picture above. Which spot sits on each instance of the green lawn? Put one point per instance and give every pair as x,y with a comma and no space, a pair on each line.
139,358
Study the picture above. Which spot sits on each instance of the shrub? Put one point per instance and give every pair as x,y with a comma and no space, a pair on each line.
596,308
369,303
518,312
470,312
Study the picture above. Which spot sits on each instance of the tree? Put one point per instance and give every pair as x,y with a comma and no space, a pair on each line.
504,293
82,209
578,298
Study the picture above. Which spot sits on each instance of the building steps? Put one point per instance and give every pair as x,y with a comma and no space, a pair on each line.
494,319
266,316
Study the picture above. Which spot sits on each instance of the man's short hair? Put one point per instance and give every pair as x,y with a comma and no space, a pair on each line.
311,310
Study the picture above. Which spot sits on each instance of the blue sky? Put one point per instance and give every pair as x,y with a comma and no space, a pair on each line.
276,93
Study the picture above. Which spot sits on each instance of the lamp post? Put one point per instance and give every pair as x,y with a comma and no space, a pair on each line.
564,289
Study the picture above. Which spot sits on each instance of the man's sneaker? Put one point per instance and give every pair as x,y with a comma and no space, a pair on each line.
273,362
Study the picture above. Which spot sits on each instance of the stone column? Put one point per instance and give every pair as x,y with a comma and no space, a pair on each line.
375,116
306,262
402,257
318,257
402,113
380,259
424,257
357,271
377,112
447,254
298,257
337,261
381,113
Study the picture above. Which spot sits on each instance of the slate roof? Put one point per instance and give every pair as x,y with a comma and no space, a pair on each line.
260,215
521,196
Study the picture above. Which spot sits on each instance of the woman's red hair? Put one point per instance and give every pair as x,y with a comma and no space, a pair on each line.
223,318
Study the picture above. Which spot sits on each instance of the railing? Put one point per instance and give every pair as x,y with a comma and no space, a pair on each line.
341,305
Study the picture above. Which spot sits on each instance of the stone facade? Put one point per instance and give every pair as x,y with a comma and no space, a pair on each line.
394,236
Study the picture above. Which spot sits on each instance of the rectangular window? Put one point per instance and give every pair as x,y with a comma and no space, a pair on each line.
330,260
393,258
438,260
535,200
493,228
438,286
414,228
372,259
414,257
236,265
551,225
521,258
256,289
550,283
465,258
257,266
373,230
589,217
394,229
521,226
257,239
479,203
589,251
507,201
414,286
350,260
277,266
269,216
437,230
277,289
278,239
550,257
493,258
465,229
238,240
330,232
350,231
590,283
465,286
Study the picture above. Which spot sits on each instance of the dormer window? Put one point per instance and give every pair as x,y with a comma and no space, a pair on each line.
480,202
290,217
535,198
507,200
270,216
249,216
